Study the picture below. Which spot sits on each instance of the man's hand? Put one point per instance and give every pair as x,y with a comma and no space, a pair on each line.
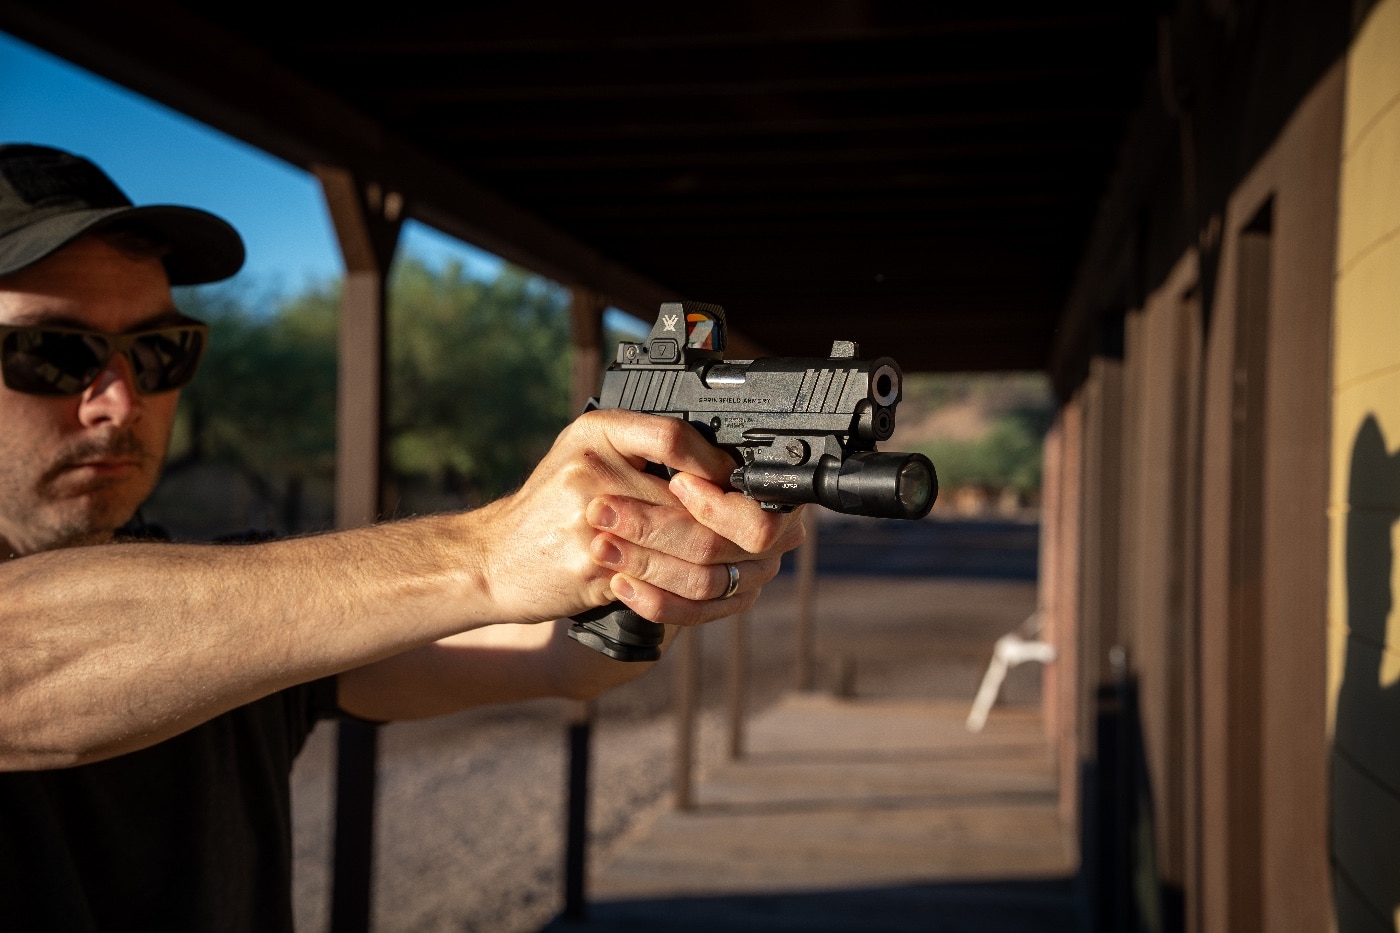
588,525
591,525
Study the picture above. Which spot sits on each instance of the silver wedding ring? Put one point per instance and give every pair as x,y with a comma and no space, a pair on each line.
733,581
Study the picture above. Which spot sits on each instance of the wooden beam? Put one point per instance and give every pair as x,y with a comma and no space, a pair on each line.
172,56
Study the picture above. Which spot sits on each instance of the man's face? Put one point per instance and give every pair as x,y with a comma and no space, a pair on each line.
74,469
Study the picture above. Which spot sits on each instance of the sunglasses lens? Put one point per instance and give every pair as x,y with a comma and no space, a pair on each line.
167,359
43,361
48,362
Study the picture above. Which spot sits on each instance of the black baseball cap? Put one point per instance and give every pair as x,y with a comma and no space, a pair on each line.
49,198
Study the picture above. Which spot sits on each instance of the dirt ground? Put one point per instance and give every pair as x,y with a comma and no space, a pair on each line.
470,813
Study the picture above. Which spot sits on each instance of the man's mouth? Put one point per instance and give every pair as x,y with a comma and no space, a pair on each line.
109,459
105,466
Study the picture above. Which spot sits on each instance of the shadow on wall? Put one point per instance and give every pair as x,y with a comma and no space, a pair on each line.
1365,788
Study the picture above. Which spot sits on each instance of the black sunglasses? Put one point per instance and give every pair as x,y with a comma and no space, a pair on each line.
38,359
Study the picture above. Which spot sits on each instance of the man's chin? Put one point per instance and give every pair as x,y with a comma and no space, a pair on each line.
81,531
89,518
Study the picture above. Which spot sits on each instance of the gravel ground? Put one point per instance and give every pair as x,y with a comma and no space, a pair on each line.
469,823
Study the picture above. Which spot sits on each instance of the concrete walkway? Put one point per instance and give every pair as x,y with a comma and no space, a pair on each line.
853,815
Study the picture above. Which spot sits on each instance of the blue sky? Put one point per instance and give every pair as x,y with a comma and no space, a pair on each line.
159,156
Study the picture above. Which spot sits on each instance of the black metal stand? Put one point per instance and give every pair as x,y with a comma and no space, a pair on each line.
576,841
352,879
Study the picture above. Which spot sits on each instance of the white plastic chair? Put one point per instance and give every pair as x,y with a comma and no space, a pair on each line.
1011,649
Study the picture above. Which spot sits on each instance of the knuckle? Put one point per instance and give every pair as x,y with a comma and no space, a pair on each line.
765,570
679,433
584,471
636,562
587,420
699,583
585,571
794,531
756,537
592,424
701,505
708,548
644,602
650,606
653,607
626,524
666,434
655,527
672,609
779,536
763,538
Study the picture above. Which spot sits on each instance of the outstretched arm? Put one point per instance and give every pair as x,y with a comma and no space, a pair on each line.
107,649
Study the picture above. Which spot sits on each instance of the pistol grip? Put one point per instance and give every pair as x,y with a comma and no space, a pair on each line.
618,632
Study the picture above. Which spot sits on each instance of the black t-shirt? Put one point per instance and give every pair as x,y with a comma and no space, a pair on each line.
192,834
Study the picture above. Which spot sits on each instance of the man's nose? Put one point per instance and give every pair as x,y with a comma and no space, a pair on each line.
112,396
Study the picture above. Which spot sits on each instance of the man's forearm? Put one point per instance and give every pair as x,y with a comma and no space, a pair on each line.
112,648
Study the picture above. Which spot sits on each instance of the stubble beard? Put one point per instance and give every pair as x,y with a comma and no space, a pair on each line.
59,511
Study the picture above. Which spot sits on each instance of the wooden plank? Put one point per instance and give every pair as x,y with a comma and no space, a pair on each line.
837,793
1294,698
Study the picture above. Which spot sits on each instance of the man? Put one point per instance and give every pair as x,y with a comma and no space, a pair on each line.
153,695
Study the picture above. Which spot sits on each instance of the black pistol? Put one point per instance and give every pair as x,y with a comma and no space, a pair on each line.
801,429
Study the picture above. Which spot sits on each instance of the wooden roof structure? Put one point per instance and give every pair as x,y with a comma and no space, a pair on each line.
918,177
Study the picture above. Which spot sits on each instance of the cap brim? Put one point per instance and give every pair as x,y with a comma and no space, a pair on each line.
203,248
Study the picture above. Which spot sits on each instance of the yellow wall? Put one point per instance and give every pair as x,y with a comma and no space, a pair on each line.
1364,625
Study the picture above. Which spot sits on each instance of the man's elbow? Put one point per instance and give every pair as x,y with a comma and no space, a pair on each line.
48,743
20,750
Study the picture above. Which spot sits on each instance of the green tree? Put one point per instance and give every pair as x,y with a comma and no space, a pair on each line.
478,382
477,387
260,416
265,396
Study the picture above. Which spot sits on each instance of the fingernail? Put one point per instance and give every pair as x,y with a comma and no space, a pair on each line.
611,554
604,516
680,488
622,588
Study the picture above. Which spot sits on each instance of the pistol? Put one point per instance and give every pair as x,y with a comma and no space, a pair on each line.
800,429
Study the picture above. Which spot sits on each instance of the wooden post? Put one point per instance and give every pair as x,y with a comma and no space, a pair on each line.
586,335
687,643
580,734
738,682
586,341
367,220
806,598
